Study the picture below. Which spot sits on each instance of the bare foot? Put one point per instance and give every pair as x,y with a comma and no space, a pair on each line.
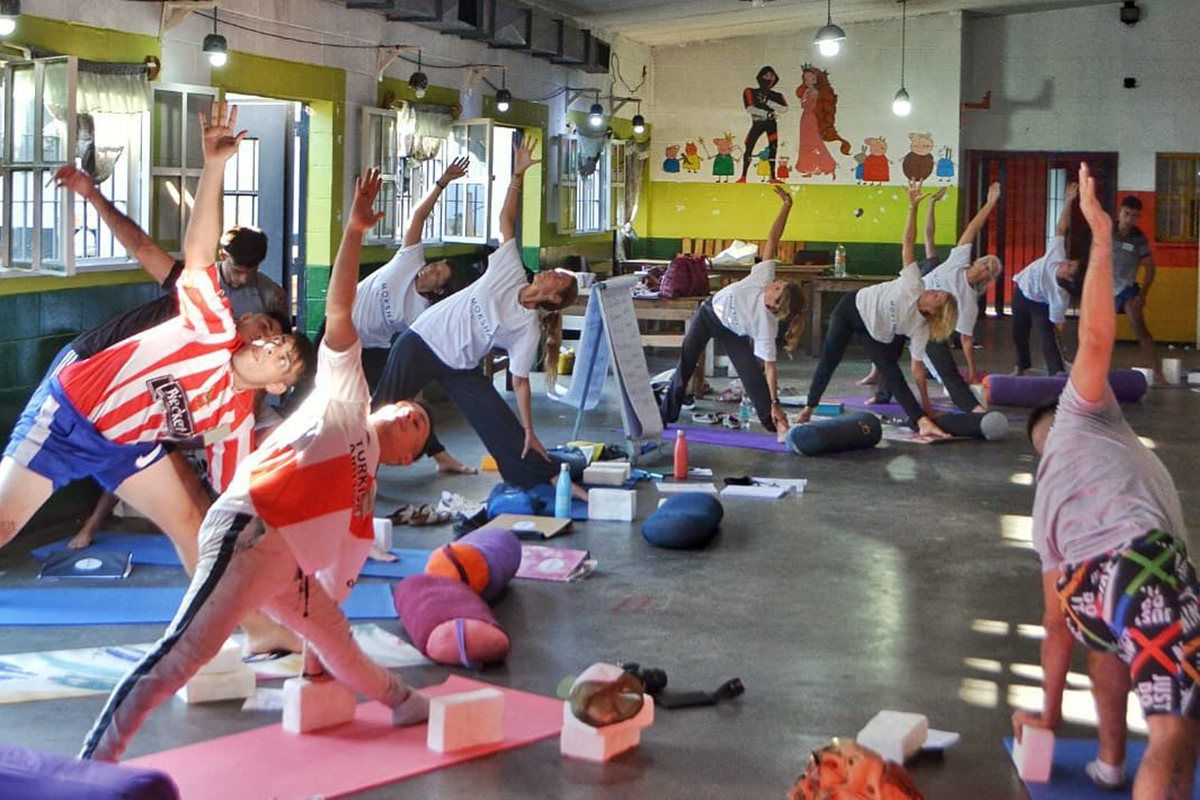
873,401
264,635
978,410
578,492
81,540
449,465
1017,372
870,379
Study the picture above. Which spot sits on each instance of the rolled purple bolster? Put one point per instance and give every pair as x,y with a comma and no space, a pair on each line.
502,552
31,775
425,603
1128,386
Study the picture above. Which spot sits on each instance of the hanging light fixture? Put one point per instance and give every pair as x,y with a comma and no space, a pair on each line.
9,11
215,46
828,40
639,122
901,105
503,96
596,113
419,81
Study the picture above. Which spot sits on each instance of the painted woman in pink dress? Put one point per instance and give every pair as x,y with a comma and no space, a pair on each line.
818,105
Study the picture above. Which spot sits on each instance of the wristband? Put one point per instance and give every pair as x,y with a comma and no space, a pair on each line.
440,185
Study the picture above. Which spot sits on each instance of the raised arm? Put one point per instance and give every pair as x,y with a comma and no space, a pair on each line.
931,224
1097,313
908,251
456,170
1064,217
220,143
343,280
980,219
136,241
522,160
772,245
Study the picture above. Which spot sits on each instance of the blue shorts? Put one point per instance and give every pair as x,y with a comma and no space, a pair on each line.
57,442
1128,293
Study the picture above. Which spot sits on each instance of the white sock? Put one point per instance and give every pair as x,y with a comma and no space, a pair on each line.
1106,776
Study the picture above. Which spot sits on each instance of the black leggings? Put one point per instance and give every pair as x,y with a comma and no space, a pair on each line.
844,322
1026,314
412,366
705,326
947,370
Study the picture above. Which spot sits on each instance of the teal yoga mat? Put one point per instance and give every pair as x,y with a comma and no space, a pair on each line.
116,605
1068,780
156,550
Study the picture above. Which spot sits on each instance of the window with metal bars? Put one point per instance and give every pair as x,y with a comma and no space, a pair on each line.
1177,197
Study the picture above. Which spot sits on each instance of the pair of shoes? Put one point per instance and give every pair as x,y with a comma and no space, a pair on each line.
689,402
706,418
732,422
456,505
423,514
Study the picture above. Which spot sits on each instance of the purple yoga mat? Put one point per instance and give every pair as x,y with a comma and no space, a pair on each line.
719,434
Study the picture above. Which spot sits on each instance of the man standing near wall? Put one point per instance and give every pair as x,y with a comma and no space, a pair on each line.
242,250
1131,250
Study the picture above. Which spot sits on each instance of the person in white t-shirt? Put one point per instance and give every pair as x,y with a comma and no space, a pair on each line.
391,298
883,315
501,309
967,280
1041,296
293,529
744,316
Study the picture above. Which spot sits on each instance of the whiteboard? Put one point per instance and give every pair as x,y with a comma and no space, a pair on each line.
611,338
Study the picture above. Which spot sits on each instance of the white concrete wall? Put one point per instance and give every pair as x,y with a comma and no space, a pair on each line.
698,90
1056,82
330,22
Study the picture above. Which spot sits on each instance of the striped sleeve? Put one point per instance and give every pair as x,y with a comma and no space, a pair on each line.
204,308
224,454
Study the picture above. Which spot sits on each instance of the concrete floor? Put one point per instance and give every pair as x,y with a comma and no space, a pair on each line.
897,581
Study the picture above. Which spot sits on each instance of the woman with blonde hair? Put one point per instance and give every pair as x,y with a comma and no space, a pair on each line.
501,309
884,315
745,318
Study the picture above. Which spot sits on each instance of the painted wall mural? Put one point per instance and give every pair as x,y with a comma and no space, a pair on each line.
821,122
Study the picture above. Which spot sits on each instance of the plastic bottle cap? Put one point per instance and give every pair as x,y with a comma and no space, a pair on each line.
679,434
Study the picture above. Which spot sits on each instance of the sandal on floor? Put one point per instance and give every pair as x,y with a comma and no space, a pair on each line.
426,514
706,418
732,422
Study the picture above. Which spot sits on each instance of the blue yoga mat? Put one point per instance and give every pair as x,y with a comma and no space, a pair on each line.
156,550
114,605
1068,780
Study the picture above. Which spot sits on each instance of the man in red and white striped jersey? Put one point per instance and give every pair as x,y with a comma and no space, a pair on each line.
190,377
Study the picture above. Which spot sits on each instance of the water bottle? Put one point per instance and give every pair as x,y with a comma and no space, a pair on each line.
745,411
562,493
839,262
681,465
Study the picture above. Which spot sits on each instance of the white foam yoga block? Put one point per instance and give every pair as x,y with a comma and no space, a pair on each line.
229,659
1034,754
895,735
607,473
310,704
213,687
612,504
383,533
580,740
466,719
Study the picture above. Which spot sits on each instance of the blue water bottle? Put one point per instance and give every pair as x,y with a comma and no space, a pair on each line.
562,493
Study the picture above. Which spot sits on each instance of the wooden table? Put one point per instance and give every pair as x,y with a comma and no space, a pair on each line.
678,309
818,287
800,273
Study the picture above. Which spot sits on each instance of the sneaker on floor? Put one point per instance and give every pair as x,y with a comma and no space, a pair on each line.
689,402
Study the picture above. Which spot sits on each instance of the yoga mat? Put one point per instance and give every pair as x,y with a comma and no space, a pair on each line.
1068,781
149,549
354,757
894,409
156,550
112,605
719,434
97,670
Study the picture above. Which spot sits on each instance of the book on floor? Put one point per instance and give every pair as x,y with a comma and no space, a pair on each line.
87,563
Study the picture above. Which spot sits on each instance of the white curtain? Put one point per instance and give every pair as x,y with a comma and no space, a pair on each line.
422,132
112,93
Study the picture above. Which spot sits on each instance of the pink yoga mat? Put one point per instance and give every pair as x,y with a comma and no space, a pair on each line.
360,755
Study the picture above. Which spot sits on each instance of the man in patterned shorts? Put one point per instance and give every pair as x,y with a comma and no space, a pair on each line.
1108,526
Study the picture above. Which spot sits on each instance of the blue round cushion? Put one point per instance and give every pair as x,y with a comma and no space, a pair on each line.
685,521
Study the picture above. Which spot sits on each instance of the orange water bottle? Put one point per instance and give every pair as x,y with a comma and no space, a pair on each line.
681,465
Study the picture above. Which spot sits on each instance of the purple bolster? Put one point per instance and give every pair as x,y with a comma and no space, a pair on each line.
502,552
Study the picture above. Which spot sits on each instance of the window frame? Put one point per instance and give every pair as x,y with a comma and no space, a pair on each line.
183,172
572,193
453,151
1163,196
39,167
